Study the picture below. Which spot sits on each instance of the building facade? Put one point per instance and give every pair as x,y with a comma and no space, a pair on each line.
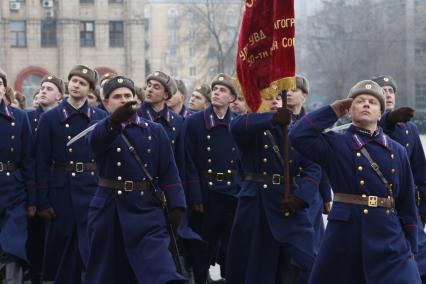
51,36
192,39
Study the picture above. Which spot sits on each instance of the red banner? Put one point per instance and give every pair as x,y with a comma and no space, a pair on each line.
266,59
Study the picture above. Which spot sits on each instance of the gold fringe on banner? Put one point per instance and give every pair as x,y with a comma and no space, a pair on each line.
284,84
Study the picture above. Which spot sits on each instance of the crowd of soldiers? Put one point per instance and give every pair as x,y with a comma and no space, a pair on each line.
155,191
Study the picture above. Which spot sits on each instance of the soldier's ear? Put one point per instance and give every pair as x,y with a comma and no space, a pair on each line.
349,113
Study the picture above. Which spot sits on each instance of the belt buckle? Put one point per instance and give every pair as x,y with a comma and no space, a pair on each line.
373,201
276,179
79,167
1,166
219,176
375,166
128,185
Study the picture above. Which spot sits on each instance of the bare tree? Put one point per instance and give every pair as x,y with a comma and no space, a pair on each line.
344,43
215,28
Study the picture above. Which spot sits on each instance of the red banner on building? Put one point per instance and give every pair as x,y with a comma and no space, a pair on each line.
266,59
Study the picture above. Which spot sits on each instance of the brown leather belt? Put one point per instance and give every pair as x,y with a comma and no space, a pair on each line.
8,167
215,176
75,167
370,201
126,185
274,179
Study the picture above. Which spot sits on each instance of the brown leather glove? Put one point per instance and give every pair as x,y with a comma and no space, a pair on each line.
198,207
282,117
47,213
31,210
341,107
402,114
291,205
326,208
175,216
123,113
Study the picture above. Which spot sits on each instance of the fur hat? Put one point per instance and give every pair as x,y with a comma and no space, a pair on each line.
225,80
165,80
118,82
371,88
86,73
55,81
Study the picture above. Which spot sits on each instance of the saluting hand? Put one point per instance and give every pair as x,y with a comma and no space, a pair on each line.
123,113
47,213
341,107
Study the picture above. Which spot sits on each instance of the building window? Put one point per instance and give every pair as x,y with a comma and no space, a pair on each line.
173,20
48,33
191,16
230,35
116,35
173,51
421,96
29,86
87,34
115,1
18,34
211,52
173,37
28,81
191,34
231,17
173,71
87,1
192,52
192,71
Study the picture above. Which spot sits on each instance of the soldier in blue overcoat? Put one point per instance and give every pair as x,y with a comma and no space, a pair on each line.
322,201
50,93
395,123
200,98
211,171
128,232
160,88
67,179
371,234
177,102
17,186
102,81
265,239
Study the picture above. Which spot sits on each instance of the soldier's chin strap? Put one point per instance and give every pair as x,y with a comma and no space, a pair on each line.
161,197
377,170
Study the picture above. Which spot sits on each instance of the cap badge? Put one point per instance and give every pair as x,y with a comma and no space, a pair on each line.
386,79
50,78
157,73
120,80
221,78
368,86
84,71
